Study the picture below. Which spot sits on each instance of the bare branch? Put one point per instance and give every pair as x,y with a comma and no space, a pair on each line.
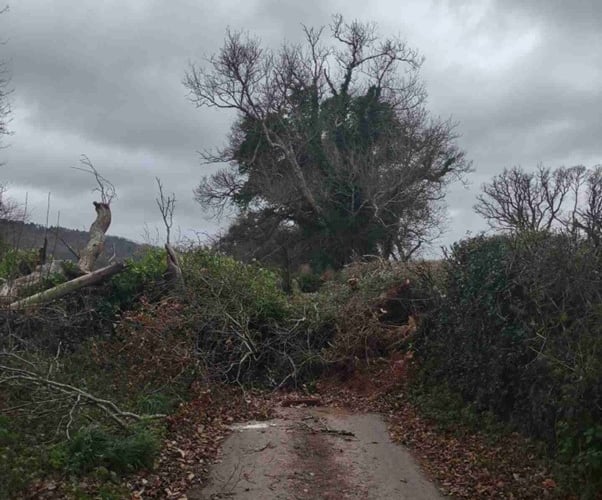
518,200
105,187
121,417
69,247
166,206
545,199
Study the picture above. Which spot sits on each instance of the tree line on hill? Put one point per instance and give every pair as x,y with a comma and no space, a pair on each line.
30,236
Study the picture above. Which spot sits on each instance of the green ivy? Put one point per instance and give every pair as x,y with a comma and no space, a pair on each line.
141,275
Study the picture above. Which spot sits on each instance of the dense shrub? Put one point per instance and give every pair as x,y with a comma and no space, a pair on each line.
93,447
374,309
153,347
19,461
143,275
519,332
92,312
240,287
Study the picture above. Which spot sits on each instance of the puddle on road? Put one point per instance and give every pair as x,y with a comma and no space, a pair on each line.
252,426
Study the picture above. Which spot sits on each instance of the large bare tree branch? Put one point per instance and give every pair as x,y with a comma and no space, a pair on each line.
14,374
63,289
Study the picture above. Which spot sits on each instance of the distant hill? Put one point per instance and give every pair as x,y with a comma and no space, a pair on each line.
29,235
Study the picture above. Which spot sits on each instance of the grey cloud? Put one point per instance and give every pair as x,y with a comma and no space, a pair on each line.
105,79
575,17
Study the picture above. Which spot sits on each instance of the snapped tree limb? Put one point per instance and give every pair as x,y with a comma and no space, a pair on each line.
70,286
14,289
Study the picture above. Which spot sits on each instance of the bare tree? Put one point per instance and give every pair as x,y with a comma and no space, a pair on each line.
519,201
8,209
167,206
563,198
5,91
588,216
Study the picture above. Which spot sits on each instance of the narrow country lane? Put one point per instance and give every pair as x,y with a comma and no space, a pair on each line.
315,453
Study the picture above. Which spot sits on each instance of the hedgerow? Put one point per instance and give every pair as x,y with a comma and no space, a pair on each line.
518,332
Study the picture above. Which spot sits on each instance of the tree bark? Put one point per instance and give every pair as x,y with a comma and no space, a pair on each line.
69,286
97,237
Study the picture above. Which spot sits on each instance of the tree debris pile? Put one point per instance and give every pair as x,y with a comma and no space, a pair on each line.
231,322
375,308
55,392
245,328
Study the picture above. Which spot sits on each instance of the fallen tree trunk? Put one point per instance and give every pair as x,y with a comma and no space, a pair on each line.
70,286
13,289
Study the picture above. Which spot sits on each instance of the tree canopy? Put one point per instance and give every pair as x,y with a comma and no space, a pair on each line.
333,151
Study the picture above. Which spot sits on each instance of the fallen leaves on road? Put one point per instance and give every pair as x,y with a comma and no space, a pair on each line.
195,433
471,466
465,464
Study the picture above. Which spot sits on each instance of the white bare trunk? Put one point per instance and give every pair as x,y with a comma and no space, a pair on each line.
96,242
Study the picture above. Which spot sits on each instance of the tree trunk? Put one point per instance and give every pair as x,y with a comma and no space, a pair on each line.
97,237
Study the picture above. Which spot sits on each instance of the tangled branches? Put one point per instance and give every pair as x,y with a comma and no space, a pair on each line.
33,387
73,396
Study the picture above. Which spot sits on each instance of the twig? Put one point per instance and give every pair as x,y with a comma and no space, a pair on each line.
75,405
105,187
69,247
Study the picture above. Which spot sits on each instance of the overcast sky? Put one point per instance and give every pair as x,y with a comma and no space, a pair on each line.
104,78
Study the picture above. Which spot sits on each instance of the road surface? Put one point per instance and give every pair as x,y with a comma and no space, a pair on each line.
315,453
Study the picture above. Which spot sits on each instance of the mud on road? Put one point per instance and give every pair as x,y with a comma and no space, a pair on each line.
315,453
